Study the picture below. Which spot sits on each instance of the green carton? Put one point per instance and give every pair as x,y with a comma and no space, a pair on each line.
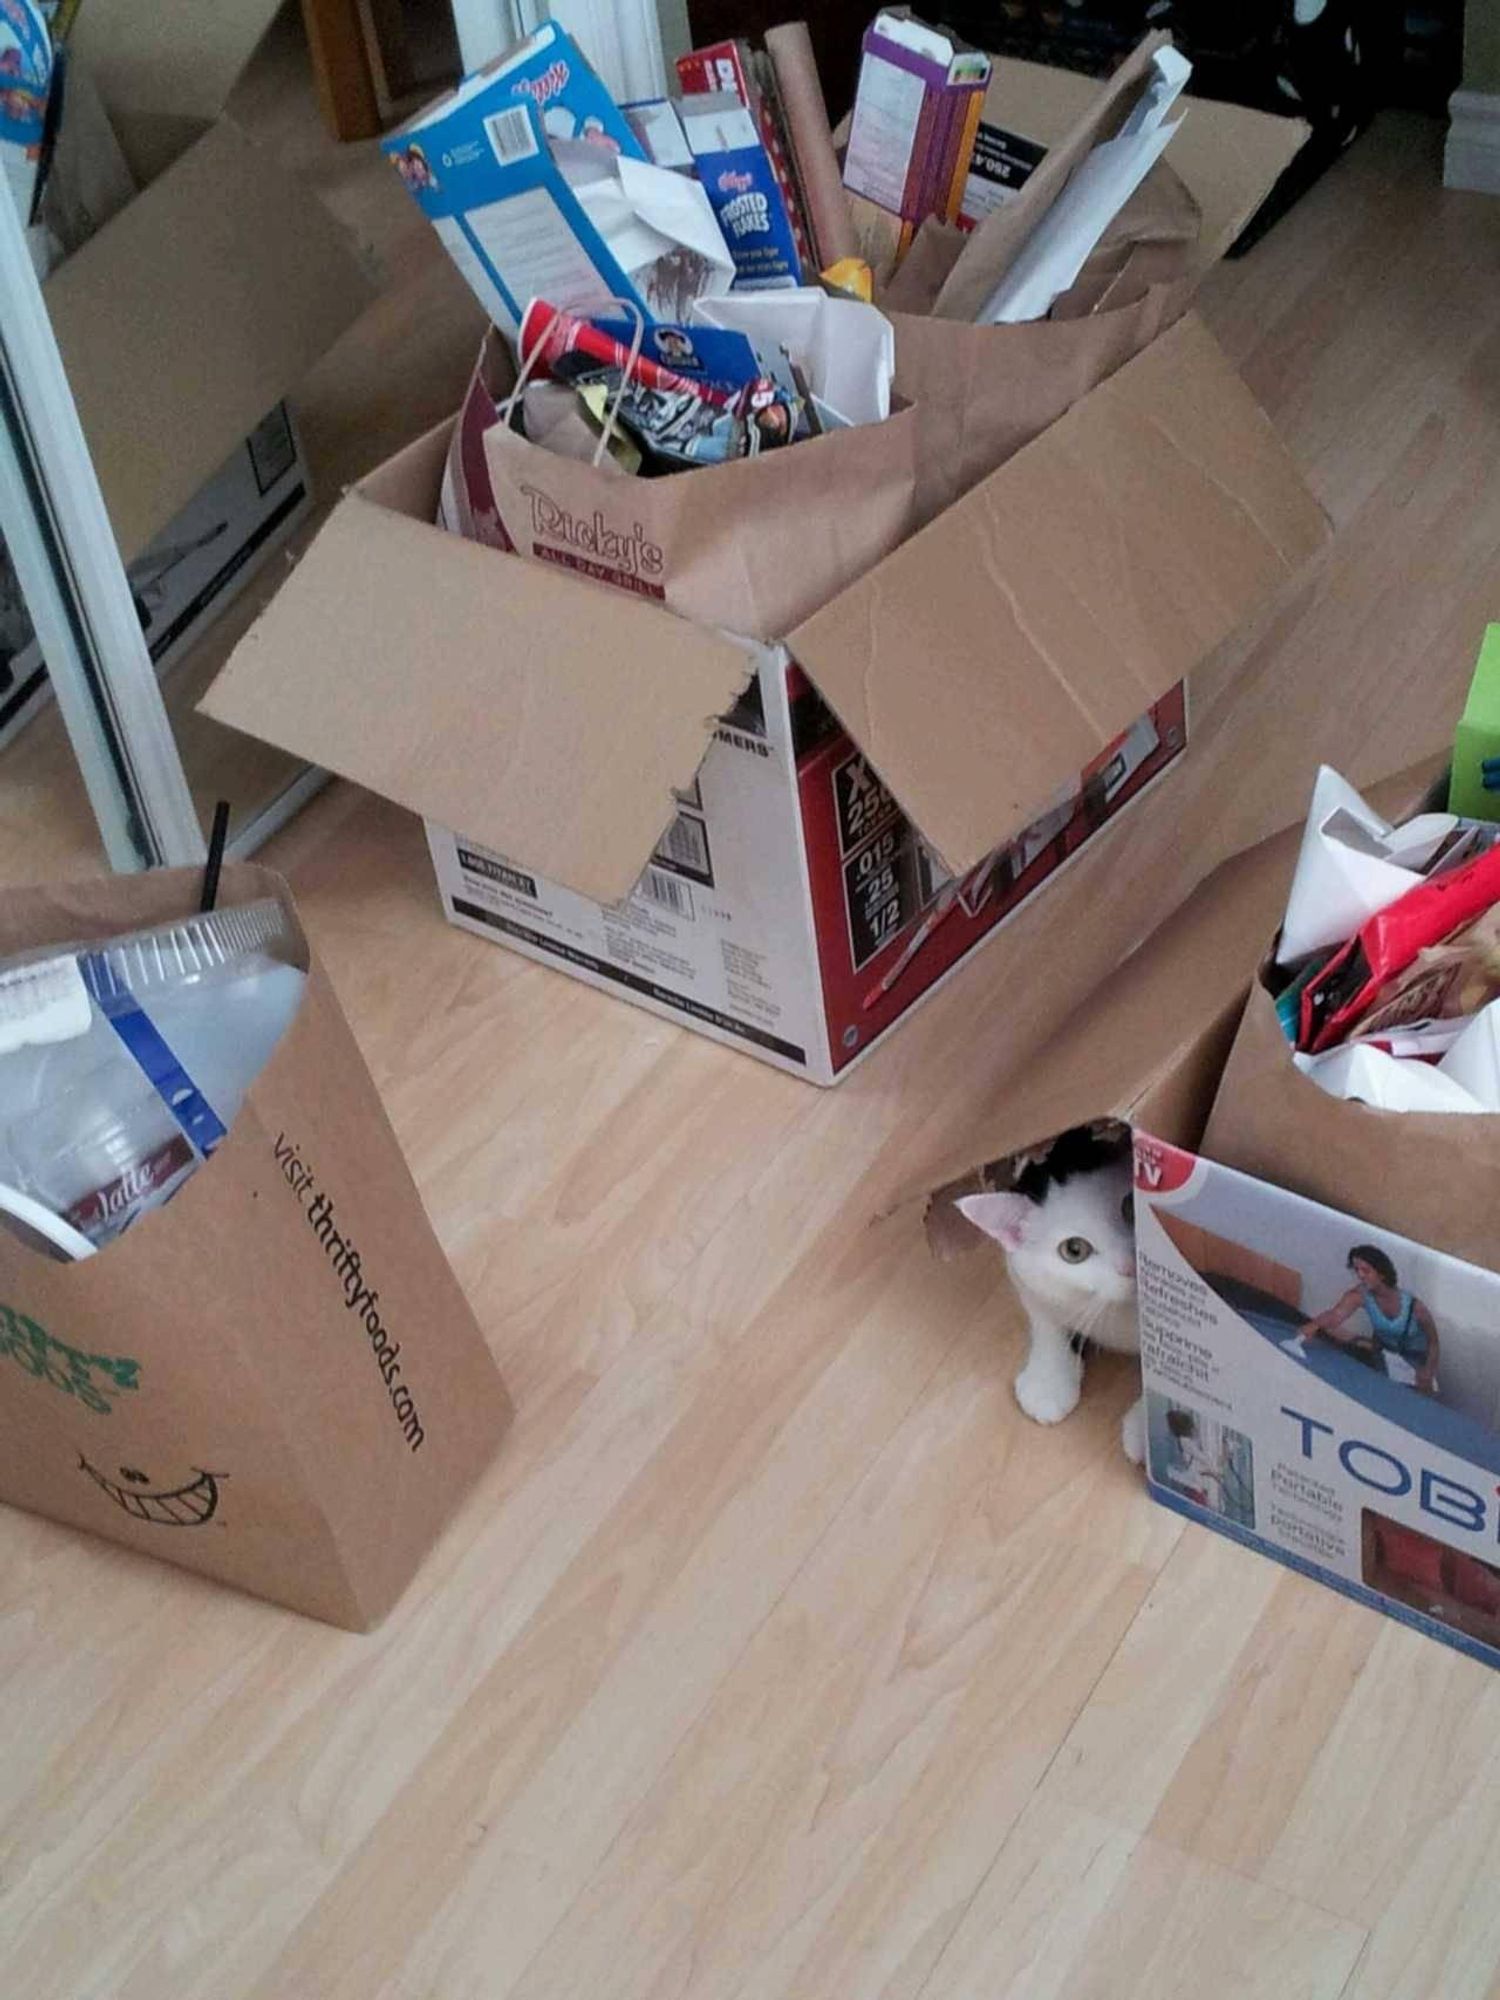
1478,738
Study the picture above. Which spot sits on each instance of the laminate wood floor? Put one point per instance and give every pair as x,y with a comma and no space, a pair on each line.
779,1657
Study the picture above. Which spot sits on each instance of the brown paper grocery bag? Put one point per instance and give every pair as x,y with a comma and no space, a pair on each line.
994,246
755,546
981,392
1154,240
1432,1177
274,1379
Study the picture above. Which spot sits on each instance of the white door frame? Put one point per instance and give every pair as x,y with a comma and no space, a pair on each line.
621,38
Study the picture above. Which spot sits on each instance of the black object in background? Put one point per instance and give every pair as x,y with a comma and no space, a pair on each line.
213,867
1333,62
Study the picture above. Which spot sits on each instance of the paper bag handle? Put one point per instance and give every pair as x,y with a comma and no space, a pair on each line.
611,414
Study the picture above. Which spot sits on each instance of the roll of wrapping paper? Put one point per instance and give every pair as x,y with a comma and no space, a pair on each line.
791,53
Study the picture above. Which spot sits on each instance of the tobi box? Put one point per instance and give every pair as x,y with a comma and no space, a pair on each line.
1371,1464
274,1379
932,743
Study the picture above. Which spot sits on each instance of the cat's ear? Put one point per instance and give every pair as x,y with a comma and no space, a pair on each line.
1006,1217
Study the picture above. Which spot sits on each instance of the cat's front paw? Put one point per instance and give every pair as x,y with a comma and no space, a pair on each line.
1047,1394
1133,1432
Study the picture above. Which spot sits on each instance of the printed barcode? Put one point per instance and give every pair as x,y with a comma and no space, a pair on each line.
668,892
685,841
511,134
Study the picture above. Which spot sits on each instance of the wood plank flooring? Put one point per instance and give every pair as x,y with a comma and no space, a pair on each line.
780,1658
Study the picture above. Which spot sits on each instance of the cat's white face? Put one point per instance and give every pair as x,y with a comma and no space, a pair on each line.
1074,1249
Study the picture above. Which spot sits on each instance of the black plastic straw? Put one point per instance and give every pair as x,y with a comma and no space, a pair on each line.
215,855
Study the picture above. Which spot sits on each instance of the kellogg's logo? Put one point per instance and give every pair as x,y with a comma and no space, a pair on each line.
542,89
628,551
731,182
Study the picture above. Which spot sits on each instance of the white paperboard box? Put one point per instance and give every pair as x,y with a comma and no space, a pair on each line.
791,909
1323,1453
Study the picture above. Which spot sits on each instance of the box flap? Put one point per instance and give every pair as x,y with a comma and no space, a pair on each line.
984,663
171,59
1149,1045
1229,158
190,315
548,717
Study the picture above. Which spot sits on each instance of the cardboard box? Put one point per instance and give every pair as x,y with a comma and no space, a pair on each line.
968,668
189,573
1392,1503
791,909
1318,1453
1226,155
740,181
274,1379
1148,1047
197,307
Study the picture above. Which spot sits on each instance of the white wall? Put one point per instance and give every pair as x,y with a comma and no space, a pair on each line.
629,42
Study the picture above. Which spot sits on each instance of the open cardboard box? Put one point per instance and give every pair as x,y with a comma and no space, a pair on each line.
196,308
990,671
1149,1048
1344,1474
787,850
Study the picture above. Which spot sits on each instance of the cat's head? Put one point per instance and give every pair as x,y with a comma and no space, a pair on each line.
1068,1234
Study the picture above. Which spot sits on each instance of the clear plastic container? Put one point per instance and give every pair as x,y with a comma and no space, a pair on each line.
112,1119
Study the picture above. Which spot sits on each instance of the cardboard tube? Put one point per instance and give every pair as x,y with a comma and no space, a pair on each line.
791,53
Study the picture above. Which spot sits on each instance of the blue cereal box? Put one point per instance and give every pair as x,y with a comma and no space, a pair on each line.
742,189
551,71
528,211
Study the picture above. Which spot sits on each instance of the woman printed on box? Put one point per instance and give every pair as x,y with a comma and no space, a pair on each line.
1403,1336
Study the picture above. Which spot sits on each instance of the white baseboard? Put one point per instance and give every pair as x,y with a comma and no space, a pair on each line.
1472,157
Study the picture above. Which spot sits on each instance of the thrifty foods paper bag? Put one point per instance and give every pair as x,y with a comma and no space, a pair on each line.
274,1379
755,546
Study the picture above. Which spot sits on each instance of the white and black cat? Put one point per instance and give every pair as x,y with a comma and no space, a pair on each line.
1067,1228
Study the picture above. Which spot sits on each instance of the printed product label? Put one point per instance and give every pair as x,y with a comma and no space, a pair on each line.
1324,1391
1002,164
716,932
890,920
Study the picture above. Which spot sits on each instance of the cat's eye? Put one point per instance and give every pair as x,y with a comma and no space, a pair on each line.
1075,1249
